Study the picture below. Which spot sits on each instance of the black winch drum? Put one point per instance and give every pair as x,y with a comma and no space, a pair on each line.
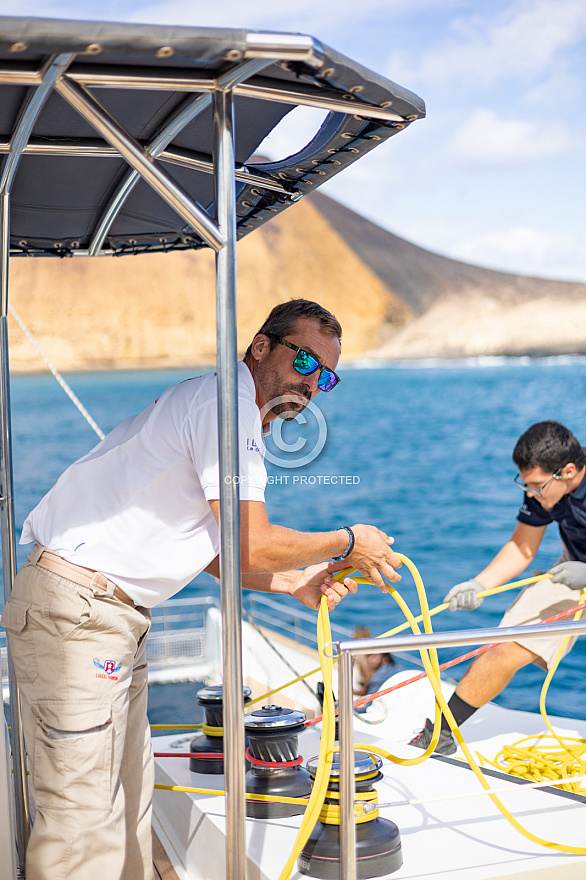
272,739
378,842
209,749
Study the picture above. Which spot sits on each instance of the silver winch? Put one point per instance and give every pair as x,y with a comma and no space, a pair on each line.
378,842
275,764
207,750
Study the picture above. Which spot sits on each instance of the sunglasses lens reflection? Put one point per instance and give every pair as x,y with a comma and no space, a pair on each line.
327,380
305,363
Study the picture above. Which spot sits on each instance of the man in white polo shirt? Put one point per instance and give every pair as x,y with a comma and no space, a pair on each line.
124,528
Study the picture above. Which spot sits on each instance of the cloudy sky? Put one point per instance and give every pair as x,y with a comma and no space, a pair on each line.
495,174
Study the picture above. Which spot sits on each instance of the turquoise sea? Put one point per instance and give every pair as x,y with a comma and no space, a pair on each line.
422,450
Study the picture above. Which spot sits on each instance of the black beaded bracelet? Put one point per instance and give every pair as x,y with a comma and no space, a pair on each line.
350,546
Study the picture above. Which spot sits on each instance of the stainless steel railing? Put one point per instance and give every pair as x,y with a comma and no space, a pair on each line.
345,650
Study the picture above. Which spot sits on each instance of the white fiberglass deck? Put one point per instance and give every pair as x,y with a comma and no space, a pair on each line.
463,838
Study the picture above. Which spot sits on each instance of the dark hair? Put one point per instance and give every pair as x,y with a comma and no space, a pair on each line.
283,320
548,445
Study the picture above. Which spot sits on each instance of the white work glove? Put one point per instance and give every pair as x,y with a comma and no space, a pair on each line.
464,596
572,574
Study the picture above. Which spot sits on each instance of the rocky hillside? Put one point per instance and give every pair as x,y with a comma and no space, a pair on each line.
393,299
462,310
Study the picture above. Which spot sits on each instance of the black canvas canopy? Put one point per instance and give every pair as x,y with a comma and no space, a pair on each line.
71,190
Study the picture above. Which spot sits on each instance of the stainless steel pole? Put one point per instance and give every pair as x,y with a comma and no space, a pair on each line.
28,115
87,106
460,638
8,539
182,118
225,193
347,786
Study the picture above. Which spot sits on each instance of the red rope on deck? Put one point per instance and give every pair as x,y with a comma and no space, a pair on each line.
256,762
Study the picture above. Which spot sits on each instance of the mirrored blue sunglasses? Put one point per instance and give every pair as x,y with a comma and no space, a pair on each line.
306,364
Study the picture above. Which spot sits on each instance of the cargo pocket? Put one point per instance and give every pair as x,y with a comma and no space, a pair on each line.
20,640
69,611
72,756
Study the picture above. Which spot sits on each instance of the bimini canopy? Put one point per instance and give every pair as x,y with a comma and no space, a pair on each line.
106,129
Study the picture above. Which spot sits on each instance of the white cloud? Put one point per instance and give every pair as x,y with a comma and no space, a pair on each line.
528,251
88,10
522,39
560,92
304,15
293,132
486,137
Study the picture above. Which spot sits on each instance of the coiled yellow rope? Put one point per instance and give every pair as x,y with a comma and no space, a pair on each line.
330,813
566,758
442,707
547,756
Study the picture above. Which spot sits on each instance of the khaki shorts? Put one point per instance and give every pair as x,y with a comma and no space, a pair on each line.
538,602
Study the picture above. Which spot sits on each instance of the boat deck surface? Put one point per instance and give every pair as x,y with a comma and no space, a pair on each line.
443,838
164,870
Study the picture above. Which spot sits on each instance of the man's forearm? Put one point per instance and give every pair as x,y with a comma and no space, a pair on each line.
280,549
269,582
506,565
270,549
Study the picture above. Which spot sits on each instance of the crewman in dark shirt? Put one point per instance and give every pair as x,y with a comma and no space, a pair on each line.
551,465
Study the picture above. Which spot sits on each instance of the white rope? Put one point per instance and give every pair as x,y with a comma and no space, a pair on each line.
548,783
72,396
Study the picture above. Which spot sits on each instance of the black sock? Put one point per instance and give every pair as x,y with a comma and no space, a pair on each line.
460,709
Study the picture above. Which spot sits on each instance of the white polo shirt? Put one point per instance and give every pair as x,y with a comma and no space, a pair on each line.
136,507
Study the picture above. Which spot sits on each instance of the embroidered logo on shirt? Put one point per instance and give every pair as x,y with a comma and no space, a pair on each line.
109,667
252,445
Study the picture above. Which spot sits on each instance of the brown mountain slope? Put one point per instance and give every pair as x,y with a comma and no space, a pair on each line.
394,299
420,277
462,310
159,310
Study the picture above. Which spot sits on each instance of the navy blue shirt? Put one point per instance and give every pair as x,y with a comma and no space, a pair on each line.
570,515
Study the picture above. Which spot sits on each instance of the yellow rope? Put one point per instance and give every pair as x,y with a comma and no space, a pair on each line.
326,750
209,730
563,755
219,792
442,705
339,576
176,726
330,813
429,658
547,756
283,686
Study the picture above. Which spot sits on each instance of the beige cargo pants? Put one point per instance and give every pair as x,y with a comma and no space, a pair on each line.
81,668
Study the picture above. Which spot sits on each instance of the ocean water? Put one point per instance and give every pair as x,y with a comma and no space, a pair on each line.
422,450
